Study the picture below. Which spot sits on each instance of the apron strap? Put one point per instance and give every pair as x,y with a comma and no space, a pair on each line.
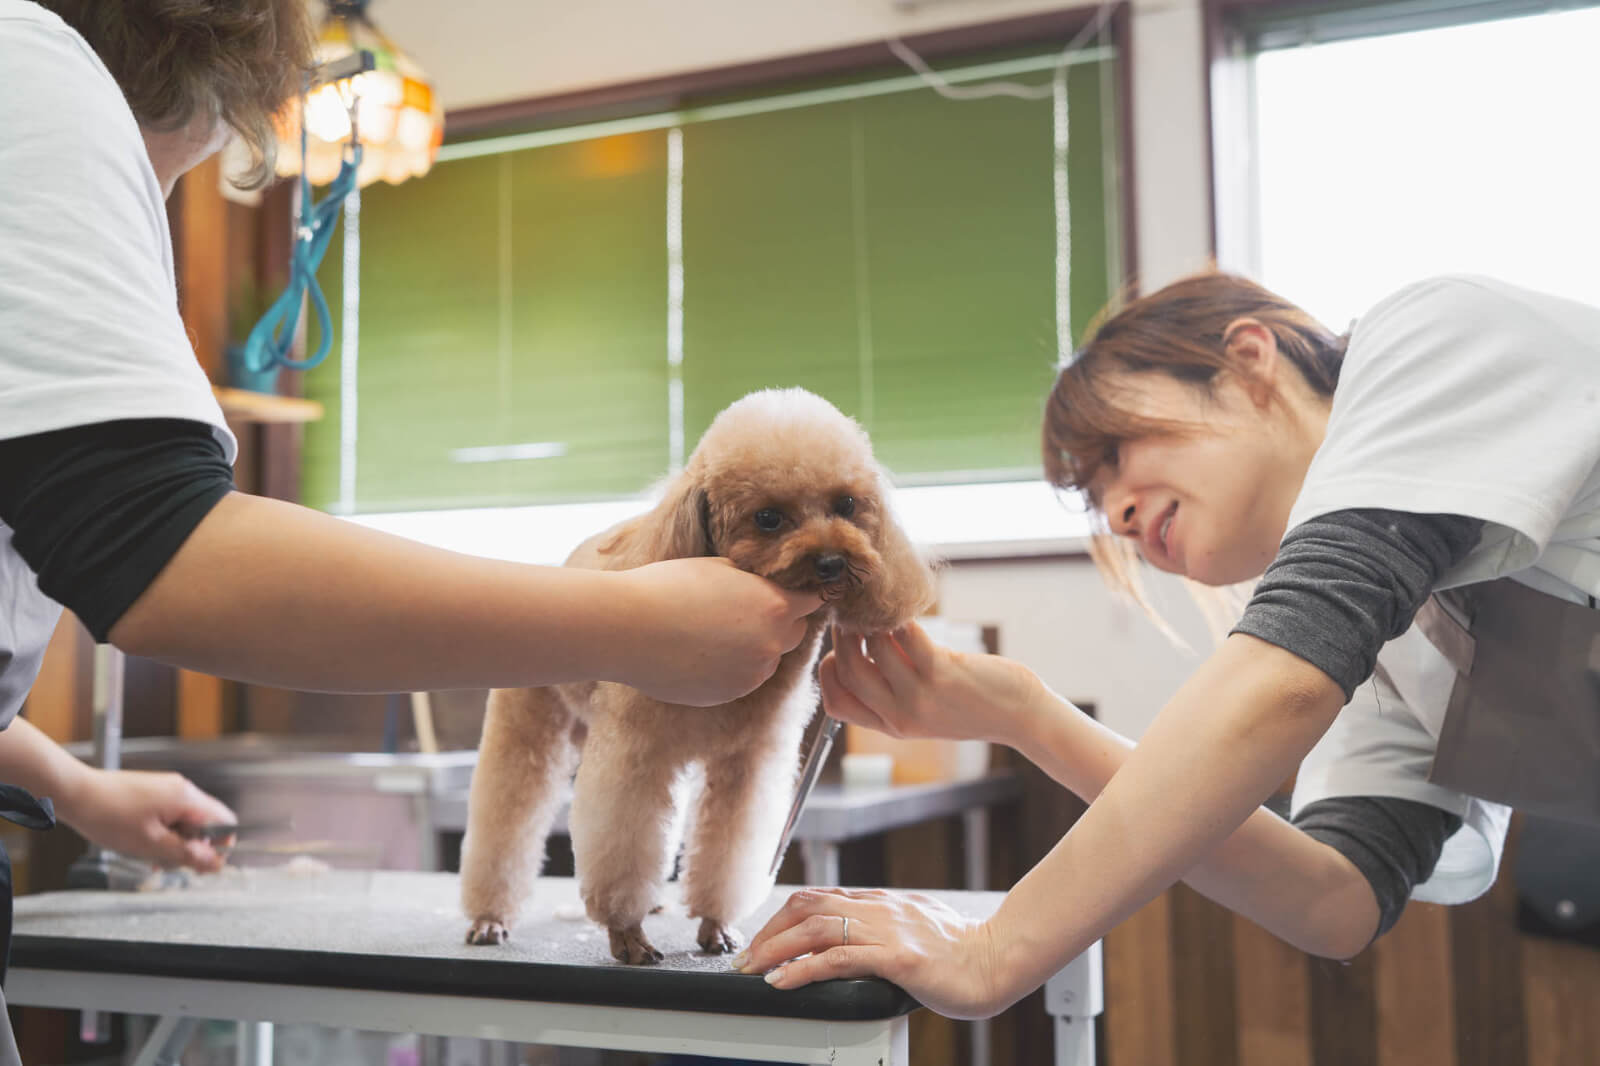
1445,633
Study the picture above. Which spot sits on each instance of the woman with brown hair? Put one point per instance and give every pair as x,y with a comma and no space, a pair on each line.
1438,466
116,488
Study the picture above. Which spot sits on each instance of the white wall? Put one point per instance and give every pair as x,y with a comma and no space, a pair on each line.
488,51
1053,615
1057,617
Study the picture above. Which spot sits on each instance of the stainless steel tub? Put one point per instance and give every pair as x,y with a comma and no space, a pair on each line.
367,800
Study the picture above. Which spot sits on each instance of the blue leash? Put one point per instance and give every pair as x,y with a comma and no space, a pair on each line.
272,338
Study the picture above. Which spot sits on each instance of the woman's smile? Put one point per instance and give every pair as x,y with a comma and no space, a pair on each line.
1156,540
1164,532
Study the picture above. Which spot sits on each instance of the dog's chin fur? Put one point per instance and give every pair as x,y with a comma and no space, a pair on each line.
784,451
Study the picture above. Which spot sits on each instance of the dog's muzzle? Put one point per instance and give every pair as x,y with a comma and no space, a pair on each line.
830,566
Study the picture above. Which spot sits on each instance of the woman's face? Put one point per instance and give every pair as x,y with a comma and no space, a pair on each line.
1209,502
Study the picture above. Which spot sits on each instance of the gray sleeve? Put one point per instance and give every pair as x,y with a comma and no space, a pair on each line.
1346,583
1395,843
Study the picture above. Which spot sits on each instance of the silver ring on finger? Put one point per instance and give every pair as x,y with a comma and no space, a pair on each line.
846,922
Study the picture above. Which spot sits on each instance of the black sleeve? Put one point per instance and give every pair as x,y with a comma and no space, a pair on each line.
1346,583
97,511
1395,843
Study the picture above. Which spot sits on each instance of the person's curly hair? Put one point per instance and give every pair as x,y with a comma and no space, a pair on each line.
237,60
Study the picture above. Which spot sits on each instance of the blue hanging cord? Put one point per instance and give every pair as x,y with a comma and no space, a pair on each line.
272,338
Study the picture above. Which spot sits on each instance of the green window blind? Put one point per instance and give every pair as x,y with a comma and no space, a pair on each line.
510,305
894,251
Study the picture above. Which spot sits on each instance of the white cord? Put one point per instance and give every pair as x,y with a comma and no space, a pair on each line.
988,90
1056,92
349,346
675,437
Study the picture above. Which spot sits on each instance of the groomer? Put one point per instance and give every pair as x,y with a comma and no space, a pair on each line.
1420,501
116,491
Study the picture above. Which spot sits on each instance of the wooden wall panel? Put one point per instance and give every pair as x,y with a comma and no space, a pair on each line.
1561,996
201,706
1343,1012
1447,986
1205,1008
202,262
1415,1001
200,234
1272,1000
1486,971
1139,960
61,702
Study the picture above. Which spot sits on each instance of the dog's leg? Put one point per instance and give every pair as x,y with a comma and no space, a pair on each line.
736,828
524,760
624,813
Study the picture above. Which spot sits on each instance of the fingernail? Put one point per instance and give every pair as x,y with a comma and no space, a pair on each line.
740,959
775,976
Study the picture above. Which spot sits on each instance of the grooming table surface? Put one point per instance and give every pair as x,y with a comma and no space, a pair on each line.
404,932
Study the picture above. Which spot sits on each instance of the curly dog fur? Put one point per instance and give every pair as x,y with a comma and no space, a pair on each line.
784,486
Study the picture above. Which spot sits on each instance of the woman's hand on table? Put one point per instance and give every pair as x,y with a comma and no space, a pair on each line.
905,685
946,961
139,814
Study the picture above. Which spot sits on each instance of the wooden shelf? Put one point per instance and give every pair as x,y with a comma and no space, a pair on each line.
242,405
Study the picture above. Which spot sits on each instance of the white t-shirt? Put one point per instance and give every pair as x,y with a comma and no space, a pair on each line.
1463,395
1458,395
89,325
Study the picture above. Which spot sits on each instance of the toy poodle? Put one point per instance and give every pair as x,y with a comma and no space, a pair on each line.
785,486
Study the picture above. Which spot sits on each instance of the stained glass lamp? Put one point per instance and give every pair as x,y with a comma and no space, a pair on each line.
399,120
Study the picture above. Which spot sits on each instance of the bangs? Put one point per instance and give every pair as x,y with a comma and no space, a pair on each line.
1086,420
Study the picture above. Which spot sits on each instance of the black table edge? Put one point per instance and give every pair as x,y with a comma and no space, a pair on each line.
627,987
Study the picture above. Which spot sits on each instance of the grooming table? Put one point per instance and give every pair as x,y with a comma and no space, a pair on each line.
384,951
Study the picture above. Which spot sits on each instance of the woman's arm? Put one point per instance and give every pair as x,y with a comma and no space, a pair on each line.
272,592
1228,737
1293,886
33,761
132,812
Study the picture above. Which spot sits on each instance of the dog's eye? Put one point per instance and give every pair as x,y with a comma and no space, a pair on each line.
768,519
844,506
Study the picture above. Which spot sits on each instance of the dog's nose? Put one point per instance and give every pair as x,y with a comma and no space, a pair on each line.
830,565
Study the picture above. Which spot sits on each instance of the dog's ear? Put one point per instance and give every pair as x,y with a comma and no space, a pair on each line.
905,578
679,527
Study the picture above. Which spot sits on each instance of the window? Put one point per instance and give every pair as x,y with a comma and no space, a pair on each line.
1380,160
513,332
554,318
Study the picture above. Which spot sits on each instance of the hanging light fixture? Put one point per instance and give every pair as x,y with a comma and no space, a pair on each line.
399,120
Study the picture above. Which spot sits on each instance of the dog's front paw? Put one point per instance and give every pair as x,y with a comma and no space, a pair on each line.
487,931
716,938
632,947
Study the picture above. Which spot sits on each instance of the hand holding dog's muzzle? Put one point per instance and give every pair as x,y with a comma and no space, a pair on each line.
706,632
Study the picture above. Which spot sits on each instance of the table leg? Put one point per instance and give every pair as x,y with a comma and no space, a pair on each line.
975,841
167,1041
821,861
1075,997
975,834
427,835
255,1044
1074,1041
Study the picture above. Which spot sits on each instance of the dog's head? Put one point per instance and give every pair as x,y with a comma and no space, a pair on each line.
785,486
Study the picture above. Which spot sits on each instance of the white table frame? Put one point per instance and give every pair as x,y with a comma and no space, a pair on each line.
1074,996
767,1039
